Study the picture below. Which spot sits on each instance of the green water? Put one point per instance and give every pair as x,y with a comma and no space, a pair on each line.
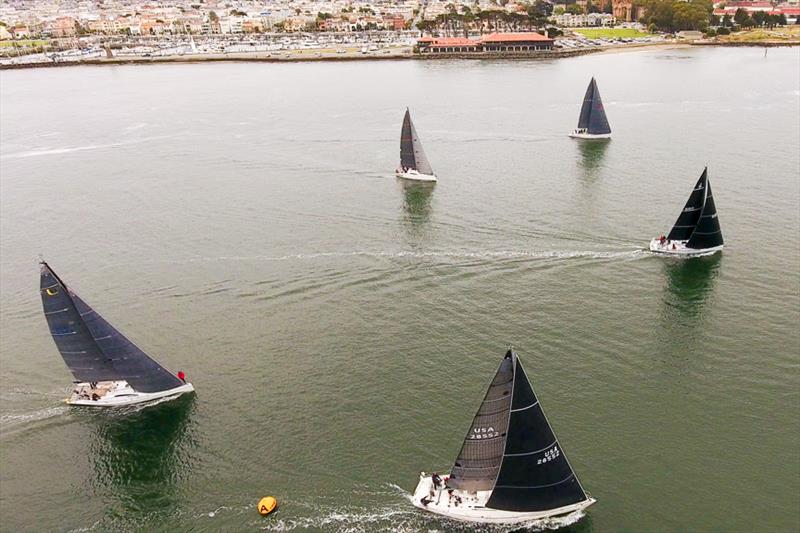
241,222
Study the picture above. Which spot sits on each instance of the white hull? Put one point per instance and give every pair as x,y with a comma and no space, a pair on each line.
118,393
471,507
678,248
413,175
580,135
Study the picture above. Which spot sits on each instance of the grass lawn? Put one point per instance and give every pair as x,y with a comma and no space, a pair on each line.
610,33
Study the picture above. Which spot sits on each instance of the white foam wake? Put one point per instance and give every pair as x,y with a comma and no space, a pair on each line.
499,254
71,149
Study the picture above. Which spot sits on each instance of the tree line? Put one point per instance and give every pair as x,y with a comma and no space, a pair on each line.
677,15
460,20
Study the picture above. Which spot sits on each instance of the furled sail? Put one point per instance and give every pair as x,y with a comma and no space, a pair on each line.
481,455
687,220
92,349
535,474
412,156
593,115
707,233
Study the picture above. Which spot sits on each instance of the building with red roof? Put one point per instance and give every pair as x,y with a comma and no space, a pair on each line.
495,42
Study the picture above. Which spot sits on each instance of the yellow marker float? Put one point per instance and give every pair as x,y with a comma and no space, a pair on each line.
266,505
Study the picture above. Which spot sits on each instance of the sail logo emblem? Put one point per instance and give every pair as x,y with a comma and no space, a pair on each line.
483,433
549,455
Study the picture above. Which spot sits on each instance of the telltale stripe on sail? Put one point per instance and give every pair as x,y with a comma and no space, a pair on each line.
102,338
534,404
87,312
59,311
537,486
62,334
531,453
707,232
81,351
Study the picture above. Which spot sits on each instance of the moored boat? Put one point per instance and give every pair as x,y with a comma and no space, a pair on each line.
592,122
414,163
109,369
511,468
697,230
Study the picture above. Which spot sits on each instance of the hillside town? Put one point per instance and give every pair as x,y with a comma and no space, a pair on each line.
24,19
77,30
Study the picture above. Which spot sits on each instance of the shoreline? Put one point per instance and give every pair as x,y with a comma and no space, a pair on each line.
400,55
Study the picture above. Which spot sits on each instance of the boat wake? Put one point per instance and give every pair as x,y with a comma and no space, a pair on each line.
413,254
71,149
13,421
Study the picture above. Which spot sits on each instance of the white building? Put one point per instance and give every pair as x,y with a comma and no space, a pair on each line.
583,21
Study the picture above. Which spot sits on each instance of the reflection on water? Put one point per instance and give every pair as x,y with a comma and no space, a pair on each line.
140,456
592,153
689,284
417,208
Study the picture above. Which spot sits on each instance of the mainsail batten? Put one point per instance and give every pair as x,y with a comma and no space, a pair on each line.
98,352
412,155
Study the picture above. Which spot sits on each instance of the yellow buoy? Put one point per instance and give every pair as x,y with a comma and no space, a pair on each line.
266,505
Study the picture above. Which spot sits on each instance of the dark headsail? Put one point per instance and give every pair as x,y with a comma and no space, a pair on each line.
511,449
593,115
535,474
92,349
707,234
698,223
412,156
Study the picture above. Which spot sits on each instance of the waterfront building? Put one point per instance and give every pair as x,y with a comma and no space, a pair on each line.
495,42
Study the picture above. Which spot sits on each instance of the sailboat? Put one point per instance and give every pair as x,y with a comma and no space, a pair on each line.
697,229
511,467
592,122
109,369
414,164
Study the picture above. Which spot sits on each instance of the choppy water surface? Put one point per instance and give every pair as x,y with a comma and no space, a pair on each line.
241,222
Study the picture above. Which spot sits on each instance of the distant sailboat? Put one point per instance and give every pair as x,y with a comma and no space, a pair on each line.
592,122
109,369
697,229
511,467
414,164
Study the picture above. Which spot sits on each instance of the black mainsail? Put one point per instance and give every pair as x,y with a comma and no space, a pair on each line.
593,115
698,223
519,459
412,156
92,349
